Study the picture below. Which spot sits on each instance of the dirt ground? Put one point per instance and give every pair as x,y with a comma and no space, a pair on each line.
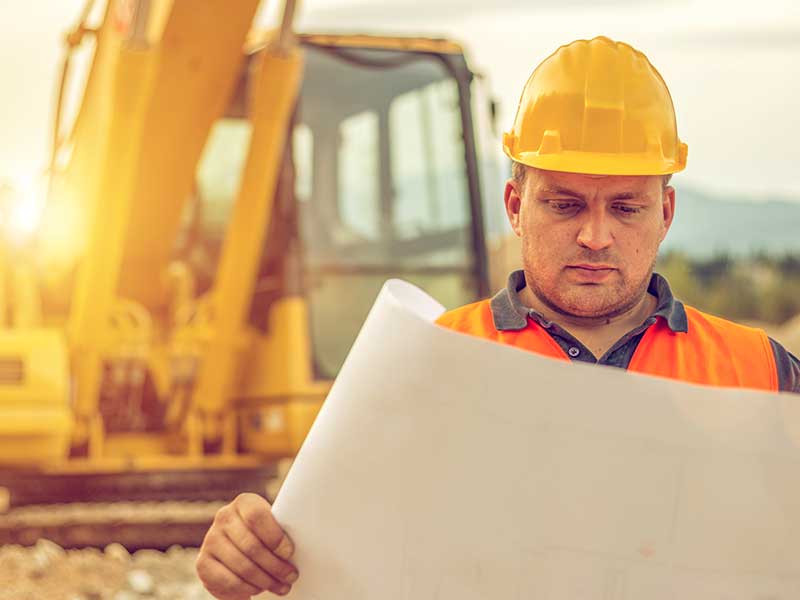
48,572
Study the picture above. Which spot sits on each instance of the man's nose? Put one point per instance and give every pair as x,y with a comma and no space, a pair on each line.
595,232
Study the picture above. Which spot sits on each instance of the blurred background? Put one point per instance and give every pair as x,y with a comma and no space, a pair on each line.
731,68
192,234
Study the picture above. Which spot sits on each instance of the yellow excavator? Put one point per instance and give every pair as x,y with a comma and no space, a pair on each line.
221,215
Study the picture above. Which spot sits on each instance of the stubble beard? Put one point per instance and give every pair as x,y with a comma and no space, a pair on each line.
609,312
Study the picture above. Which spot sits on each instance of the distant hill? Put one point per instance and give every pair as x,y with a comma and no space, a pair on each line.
705,225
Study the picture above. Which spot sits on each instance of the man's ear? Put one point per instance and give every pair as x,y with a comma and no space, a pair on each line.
668,206
513,200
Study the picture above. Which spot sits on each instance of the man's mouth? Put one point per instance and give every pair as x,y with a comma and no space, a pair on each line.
592,267
591,273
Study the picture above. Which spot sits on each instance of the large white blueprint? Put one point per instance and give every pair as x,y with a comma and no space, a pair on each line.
446,467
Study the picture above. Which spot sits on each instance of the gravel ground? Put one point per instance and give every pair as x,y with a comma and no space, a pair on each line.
48,572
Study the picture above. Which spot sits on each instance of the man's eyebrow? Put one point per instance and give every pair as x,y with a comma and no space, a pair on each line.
625,196
556,189
562,191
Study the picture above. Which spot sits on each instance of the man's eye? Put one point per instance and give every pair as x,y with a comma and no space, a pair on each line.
627,209
563,206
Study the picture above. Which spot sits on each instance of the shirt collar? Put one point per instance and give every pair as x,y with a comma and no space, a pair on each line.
510,314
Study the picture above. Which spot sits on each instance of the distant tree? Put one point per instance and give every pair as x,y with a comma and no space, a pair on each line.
717,266
761,287
790,265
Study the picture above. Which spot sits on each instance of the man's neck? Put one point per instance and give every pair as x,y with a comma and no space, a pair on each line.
597,334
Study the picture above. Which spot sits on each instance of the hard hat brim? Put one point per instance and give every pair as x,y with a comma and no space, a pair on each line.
601,164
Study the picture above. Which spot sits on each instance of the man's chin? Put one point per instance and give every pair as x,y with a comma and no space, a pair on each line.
588,307
587,312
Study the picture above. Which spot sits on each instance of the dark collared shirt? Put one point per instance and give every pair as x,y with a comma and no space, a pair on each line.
510,314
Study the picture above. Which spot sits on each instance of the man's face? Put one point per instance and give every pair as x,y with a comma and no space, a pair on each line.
589,242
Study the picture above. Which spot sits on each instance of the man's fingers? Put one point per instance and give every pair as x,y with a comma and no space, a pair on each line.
227,554
221,581
249,545
257,516
238,557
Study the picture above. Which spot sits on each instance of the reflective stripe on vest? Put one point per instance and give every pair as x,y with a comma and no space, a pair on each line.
713,352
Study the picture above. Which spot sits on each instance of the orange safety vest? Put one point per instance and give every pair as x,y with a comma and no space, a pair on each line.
713,351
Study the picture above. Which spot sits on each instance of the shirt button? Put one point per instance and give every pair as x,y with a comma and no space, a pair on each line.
573,352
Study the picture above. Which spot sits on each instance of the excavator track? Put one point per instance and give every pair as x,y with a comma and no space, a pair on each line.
136,510
134,525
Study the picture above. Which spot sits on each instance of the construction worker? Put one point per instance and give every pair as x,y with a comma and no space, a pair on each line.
594,144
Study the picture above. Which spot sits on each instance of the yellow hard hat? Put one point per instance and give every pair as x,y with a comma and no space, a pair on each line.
598,107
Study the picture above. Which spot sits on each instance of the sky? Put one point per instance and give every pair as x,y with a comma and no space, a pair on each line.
733,69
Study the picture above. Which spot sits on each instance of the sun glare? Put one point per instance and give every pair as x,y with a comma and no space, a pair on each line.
22,208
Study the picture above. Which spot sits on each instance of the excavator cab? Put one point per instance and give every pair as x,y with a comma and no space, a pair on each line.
379,180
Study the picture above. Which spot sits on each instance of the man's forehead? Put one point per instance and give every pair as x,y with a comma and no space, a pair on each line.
543,179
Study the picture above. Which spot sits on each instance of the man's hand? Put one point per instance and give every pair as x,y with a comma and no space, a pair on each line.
245,552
